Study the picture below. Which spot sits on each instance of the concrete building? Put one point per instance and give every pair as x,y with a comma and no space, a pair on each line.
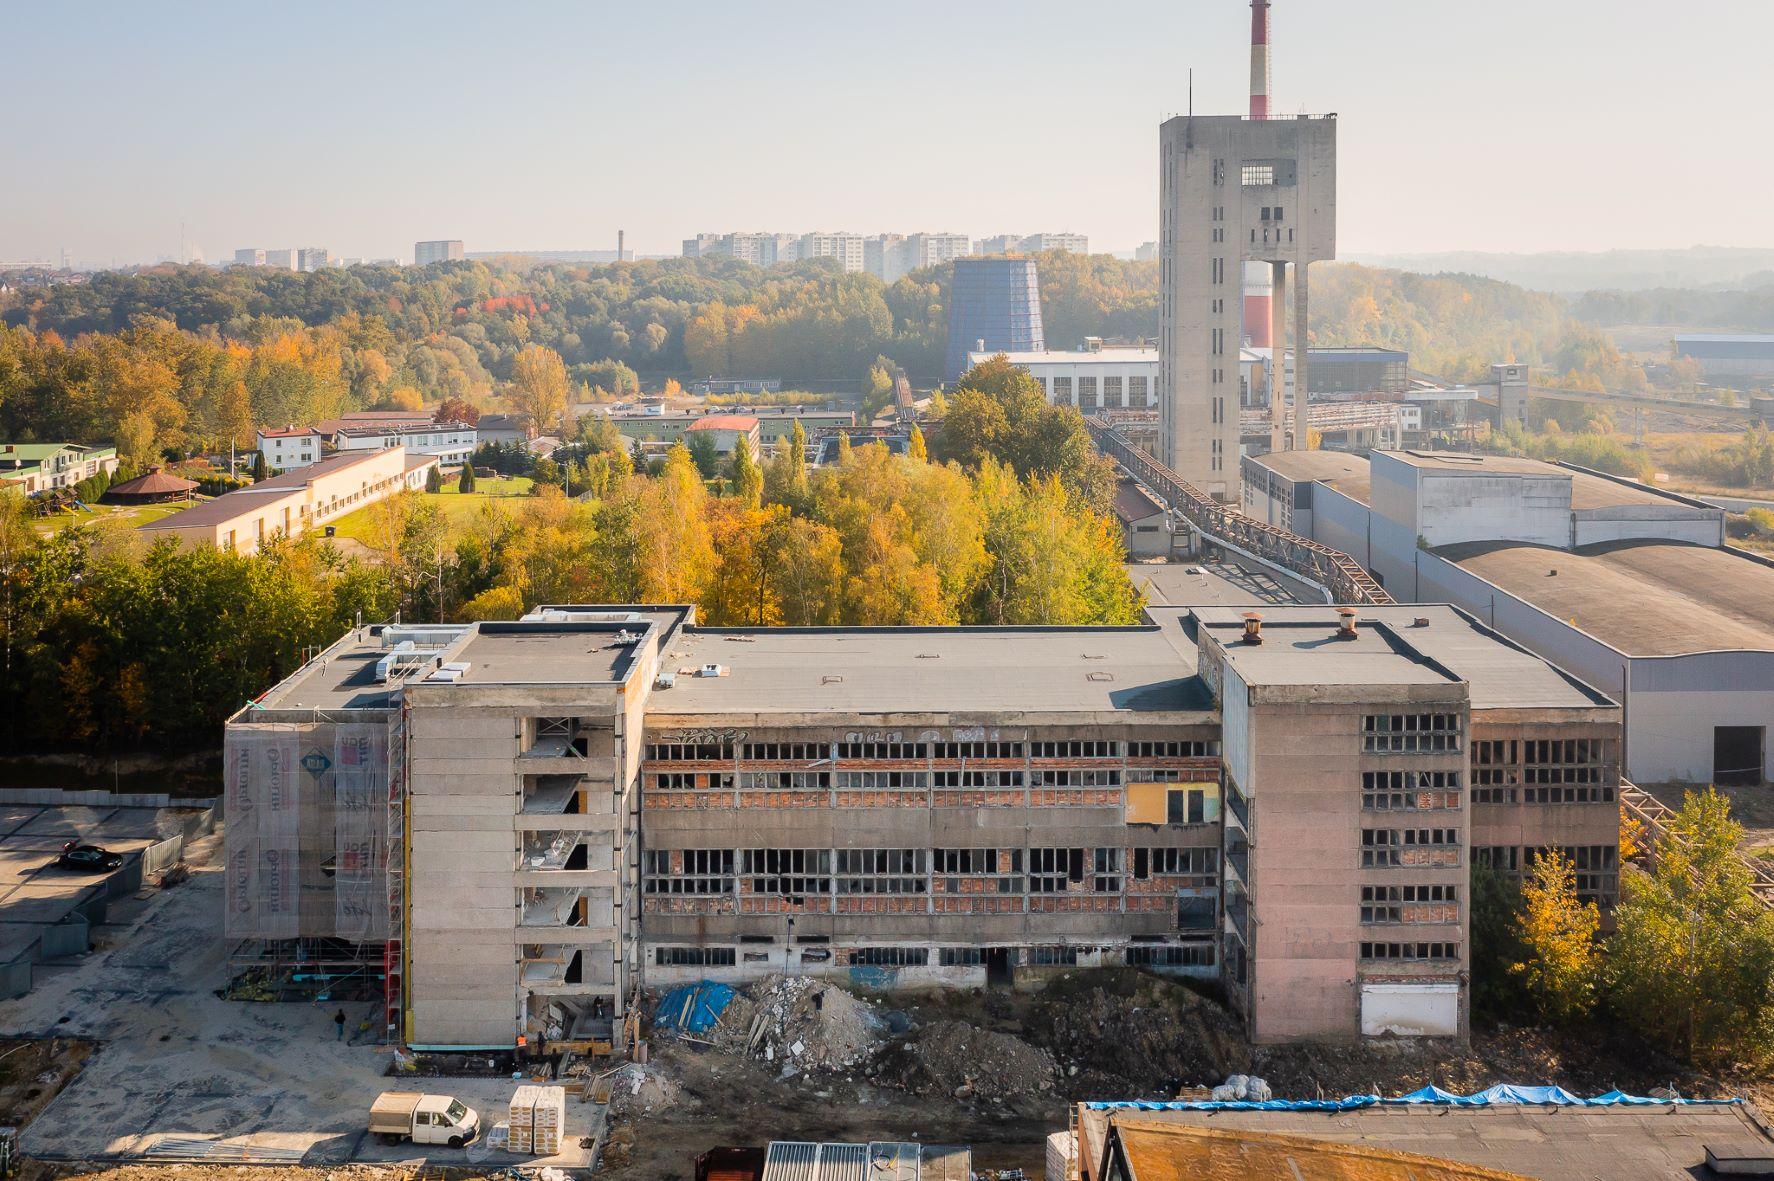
1633,589
1233,190
595,798
1032,244
249,257
1728,354
994,307
442,250
1144,521
1095,378
1146,252
313,258
450,443
774,422
846,248
726,430
503,428
36,468
295,502
283,260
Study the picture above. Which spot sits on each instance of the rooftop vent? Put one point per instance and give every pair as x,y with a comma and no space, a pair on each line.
1420,621
665,680
1253,627
1346,623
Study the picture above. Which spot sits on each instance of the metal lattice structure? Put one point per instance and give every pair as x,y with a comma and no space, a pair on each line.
1340,577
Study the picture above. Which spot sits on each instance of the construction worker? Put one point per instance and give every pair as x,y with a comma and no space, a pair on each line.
339,1025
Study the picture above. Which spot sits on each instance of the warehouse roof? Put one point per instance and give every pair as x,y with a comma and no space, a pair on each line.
1299,649
934,670
1158,1150
1340,470
249,499
1643,598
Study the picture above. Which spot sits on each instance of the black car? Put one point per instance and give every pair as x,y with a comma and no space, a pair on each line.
88,857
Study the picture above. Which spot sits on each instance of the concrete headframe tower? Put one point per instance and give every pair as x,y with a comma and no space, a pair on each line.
1235,190
1258,291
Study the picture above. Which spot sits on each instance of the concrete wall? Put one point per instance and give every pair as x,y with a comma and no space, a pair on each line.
1674,702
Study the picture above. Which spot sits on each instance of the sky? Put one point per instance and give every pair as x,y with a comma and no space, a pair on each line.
1505,125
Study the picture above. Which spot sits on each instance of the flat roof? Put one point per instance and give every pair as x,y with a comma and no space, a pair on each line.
1180,584
1500,674
244,500
1348,474
1133,503
342,677
1658,1143
1106,356
1156,1149
1643,598
934,670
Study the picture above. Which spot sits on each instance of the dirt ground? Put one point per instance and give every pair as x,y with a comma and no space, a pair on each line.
33,1071
1751,806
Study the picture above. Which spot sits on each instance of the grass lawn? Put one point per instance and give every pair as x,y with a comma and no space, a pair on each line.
129,515
505,493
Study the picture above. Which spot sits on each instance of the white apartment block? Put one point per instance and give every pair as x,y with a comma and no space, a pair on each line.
1033,244
451,442
283,260
443,250
289,448
1094,380
846,248
249,257
313,258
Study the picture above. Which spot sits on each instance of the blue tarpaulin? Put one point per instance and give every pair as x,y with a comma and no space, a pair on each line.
692,1008
1497,1096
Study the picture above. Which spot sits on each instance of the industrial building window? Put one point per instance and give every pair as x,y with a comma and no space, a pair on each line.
881,871
1597,869
1382,847
883,780
1186,807
1107,876
1495,772
977,750
1186,955
1112,392
785,780
1075,778
1076,750
890,957
960,957
689,871
1387,904
1062,391
788,871
1502,858
1172,750
883,750
691,781
1171,862
695,957
1136,391
1410,951
1052,870
1256,174
978,871
1409,791
1087,393
1053,957
1565,771
786,752
978,778
1410,733
684,752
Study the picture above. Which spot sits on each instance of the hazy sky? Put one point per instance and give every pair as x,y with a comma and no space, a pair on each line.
1490,125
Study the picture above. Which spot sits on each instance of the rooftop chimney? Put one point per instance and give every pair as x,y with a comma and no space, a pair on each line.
1253,627
1259,59
1346,623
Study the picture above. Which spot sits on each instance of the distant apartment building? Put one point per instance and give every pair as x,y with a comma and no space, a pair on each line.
1095,378
1146,252
846,248
994,307
249,257
281,260
1033,244
703,245
313,258
874,253
442,250
764,250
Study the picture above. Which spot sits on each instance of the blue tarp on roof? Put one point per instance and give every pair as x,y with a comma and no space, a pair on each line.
692,1008
1498,1096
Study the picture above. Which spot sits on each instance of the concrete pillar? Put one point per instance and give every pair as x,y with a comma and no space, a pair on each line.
1301,386
1278,357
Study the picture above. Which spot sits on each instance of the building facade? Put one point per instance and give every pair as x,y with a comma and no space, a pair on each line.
443,250
249,257
595,798
994,307
1103,377
36,468
287,448
1233,190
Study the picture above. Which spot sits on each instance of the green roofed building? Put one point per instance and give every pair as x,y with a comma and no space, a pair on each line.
36,468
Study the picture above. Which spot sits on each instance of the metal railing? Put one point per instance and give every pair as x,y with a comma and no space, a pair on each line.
1340,576
1656,816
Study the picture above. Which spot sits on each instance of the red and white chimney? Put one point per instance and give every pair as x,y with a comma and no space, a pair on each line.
1258,285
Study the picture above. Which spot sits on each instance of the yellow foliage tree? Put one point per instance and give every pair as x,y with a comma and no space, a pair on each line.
539,387
1558,932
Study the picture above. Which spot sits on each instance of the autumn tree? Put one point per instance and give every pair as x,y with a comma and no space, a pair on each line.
1691,961
678,555
998,410
539,387
1562,960
747,477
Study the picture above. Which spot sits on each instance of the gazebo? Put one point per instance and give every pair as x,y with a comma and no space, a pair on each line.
155,487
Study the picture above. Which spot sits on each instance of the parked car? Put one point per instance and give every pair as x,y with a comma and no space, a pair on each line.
93,858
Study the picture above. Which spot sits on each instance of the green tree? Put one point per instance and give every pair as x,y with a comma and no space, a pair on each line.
998,410
261,470
1691,961
748,478
434,478
1496,942
465,482
1562,960
701,446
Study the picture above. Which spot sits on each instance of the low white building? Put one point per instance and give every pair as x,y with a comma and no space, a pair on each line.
451,442
287,448
1099,377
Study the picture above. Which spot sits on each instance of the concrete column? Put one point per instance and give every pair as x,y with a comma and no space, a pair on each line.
1300,384
1278,357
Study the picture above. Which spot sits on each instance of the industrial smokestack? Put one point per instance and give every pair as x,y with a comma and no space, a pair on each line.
1259,59
1257,282
621,242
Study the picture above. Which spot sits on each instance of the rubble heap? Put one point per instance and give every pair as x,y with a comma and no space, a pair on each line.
800,1023
955,1058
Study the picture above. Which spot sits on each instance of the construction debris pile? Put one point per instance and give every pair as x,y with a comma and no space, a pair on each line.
971,1064
638,1089
801,1023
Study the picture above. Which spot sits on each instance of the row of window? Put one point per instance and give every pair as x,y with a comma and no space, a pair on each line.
1385,904
919,751
1410,733
1384,847
1410,951
1153,955
1594,794
886,780
713,872
1409,791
